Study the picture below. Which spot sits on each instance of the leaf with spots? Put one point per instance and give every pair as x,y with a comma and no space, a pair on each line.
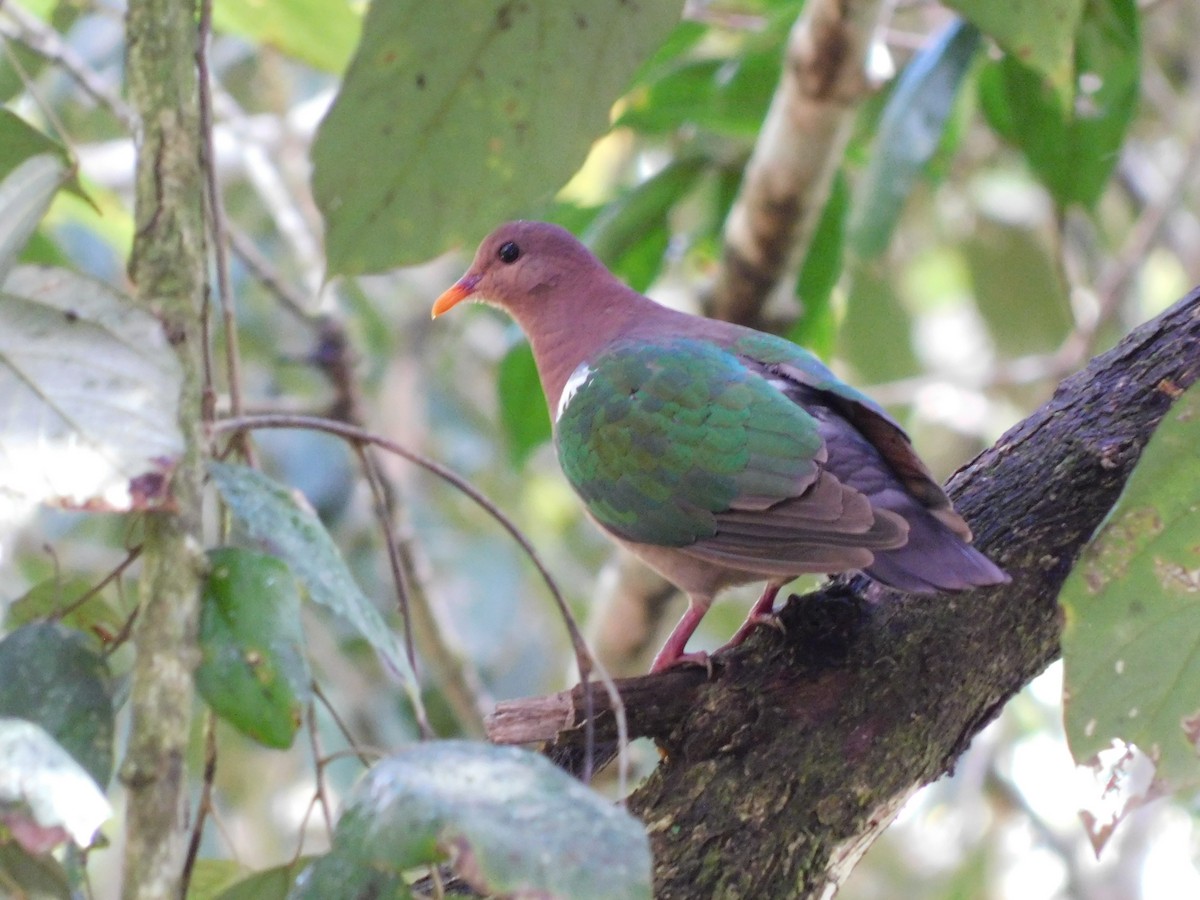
1131,641
269,512
454,116
252,671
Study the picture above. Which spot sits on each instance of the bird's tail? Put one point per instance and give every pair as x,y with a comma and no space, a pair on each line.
934,559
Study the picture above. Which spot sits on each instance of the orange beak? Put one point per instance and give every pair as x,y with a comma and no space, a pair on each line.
454,295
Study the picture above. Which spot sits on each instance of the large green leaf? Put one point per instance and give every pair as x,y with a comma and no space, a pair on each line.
523,413
91,392
1039,33
1131,642
1072,143
454,116
252,668
510,822
909,133
52,676
319,32
269,513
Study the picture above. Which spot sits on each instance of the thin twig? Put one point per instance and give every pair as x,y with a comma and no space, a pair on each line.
205,804
585,659
314,743
43,40
399,575
341,725
104,582
47,109
216,217
247,251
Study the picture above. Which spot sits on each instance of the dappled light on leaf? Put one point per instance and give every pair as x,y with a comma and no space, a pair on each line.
510,823
1132,606
46,797
88,395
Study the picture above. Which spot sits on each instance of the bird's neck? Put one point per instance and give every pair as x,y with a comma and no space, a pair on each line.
567,336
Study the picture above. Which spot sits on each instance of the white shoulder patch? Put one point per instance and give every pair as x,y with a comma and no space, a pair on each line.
574,383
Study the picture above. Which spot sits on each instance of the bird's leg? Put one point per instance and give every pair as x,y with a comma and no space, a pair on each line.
672,653
760,614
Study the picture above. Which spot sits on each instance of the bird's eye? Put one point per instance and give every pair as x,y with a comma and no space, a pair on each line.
508,252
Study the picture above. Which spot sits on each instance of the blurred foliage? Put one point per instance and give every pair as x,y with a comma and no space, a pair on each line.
1028,196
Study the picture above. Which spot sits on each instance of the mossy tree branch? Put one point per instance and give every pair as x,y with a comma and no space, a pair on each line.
167,269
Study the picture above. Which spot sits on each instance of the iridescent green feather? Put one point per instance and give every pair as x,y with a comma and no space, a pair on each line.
655,450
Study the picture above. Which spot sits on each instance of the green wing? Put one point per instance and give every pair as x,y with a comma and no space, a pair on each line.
776,357
659,438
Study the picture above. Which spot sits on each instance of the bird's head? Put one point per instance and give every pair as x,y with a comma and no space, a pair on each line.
524,266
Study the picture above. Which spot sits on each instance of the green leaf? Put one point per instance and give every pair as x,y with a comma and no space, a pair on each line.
269,884
34,877
1073,145
20,141
816,329
51,676
321,33
725,96
348,875
91,394
631,235
46,600
523,413
29,184
212,877
1131,642
269,513
875,336
909,133
252,668
1038,33
510,822
454,116
1017,287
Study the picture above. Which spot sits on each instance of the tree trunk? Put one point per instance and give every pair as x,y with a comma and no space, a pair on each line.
783,768
166,267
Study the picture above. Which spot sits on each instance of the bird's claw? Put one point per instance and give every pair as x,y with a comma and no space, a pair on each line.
695,658
753,621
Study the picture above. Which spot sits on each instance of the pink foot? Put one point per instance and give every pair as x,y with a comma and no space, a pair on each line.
761,613
754,620
695,658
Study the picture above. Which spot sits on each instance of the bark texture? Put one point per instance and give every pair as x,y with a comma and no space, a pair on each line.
781,770
167,270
